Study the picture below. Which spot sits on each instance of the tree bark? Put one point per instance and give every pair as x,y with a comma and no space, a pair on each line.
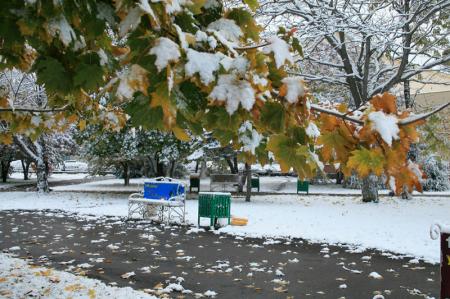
25,168
41,167
248,174
233,168
203,169
172,168
369,188
5,169
407,94
126,176
41,177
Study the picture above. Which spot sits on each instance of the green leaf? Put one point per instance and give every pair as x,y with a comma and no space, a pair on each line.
53,74
253,4
273,117
335,146
297,47
245,20
143,115
89,74
290,154
365,161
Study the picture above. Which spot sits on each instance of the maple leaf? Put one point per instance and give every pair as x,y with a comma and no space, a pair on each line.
385,102
335,146
365,161
406,178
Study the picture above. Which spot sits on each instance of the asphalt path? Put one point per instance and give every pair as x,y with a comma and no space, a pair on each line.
151,256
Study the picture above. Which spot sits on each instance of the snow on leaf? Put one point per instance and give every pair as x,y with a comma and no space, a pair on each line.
293,89
280,50
132,80
165,51
227,28
128,275
249,137
312,130
131,21
59,26
205,64
385,125
233,91
173,6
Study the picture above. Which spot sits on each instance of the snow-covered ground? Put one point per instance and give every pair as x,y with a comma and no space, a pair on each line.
20,280
400,226
270,184
16,179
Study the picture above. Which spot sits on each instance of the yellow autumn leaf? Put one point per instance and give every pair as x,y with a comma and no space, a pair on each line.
181,134
91,293
365,161
82,124
6,138
72,118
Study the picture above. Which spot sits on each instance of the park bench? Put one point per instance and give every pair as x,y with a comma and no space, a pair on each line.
223,182
161,197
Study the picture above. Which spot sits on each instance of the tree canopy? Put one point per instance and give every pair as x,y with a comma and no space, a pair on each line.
188,67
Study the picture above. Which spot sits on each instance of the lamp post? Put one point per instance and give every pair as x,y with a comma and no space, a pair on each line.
443,232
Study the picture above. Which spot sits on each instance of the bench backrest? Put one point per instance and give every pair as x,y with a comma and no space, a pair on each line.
163,190
225,178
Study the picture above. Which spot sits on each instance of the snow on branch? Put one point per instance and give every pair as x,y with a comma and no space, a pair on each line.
317,108
418,117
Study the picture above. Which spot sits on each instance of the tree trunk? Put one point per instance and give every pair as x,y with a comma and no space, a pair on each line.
407,94
196,166
25,168
41,177
5,169
41,167
203,169
369,188
126,176
248,174
172,168
231,165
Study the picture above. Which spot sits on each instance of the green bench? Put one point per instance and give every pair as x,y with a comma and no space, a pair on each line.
214,205
302,186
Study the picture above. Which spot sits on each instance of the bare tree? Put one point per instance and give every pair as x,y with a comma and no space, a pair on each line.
23,93
366,47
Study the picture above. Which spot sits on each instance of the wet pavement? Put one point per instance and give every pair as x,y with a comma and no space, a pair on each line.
111,249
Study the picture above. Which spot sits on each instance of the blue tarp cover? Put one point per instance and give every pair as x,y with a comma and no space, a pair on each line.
162,190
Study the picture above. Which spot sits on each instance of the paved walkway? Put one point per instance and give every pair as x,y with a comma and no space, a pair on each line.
107,248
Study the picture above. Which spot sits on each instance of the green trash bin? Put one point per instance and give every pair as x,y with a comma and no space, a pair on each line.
255,183
302,186
214,205
194,182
